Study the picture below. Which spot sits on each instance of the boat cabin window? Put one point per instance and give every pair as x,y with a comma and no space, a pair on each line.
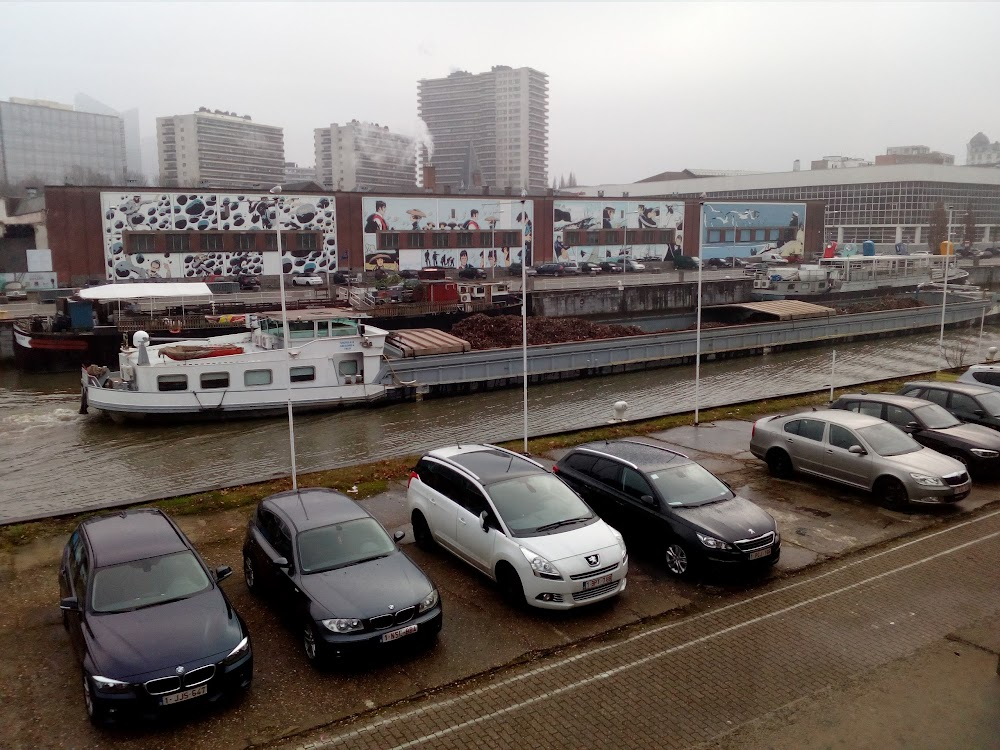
215,380
257,377
301,329
301,374
323,328
348,367
172,382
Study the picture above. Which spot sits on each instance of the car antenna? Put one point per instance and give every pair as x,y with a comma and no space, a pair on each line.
302,502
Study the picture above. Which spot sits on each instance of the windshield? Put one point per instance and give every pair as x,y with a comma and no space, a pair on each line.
342,544
538,503
935,417
887,440
689,484
990,403
144,583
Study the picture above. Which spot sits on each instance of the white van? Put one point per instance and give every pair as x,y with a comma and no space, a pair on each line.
986,375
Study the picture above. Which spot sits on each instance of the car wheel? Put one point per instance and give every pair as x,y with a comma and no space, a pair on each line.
510,585
249,575
893,493
678,559
779,463
422,532
312,645
97,712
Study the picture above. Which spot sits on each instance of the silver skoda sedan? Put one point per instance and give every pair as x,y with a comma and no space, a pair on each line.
860,451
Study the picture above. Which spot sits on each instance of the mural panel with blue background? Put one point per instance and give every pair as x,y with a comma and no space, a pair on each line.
745,229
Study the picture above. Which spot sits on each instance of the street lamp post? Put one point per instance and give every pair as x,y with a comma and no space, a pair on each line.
944,293
697,349
276,192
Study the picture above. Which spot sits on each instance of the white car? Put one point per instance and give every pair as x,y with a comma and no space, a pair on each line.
14,291
985,374
518,523
307,279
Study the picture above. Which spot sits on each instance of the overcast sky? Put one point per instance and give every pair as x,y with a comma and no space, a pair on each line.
634,89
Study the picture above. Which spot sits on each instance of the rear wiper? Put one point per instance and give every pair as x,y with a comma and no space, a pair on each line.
566,522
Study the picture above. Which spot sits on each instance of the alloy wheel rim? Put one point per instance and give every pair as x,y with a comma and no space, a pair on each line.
248,572
310,642
88,699
676,559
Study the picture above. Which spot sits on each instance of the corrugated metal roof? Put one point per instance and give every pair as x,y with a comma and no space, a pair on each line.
418,342
784,309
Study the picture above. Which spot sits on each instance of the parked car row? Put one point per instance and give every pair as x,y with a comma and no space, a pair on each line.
919,446
152,628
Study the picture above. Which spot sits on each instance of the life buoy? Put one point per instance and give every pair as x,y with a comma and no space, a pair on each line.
174,326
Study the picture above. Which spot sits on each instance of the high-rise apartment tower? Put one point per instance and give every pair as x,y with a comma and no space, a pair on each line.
488,129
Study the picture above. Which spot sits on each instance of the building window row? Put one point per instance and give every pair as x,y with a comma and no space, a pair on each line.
137,243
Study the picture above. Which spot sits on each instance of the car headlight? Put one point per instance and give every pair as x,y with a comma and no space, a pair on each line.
241,650
106,685
540,566
621,542
343,625
428,602
984,452
712,543
927,480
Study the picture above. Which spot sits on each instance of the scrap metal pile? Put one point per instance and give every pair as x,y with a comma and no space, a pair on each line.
502,331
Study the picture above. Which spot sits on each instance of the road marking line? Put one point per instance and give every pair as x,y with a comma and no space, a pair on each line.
650,657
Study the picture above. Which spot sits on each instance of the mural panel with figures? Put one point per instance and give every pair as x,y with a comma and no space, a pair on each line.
594,231
214,215
411,233
745,229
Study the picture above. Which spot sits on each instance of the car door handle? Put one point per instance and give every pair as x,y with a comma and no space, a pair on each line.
462,521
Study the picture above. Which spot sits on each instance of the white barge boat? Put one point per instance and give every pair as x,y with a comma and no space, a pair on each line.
332,360
855,275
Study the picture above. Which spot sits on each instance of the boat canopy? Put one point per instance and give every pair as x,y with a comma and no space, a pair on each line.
146,290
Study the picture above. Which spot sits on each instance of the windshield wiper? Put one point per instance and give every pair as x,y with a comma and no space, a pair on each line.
566,522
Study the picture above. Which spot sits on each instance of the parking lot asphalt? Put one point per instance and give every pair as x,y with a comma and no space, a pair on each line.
41,705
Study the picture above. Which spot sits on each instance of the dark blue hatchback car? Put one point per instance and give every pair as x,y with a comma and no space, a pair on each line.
148,621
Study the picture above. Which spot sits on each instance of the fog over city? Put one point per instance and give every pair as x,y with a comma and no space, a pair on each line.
634,88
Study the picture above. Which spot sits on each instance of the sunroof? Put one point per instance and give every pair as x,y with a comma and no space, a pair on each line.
489,465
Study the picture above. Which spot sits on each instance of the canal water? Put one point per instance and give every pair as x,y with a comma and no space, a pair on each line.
53,460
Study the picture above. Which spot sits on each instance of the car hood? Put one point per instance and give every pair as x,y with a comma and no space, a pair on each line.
571,541
975,434
728,520
126,645
367,589
927,461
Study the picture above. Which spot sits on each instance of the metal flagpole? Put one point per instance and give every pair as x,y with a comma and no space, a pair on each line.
524,328
697,355
276,192
944,294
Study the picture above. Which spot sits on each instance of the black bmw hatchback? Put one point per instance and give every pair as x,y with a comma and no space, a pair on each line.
666,501
148,621
335,571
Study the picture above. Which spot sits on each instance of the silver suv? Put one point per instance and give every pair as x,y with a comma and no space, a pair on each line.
860,451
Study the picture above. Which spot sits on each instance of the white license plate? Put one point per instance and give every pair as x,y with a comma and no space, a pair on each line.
184,695
760,553
393,635
593,583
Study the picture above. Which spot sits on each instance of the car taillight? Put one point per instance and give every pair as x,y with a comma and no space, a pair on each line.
413,475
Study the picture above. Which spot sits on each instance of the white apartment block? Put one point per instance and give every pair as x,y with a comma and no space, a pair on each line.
489,129
219,150
364,156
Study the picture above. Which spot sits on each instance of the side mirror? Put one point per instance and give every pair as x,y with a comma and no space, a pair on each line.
281,562
69,604
222,573
912,426
398,535
484,520
857,450
649,501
